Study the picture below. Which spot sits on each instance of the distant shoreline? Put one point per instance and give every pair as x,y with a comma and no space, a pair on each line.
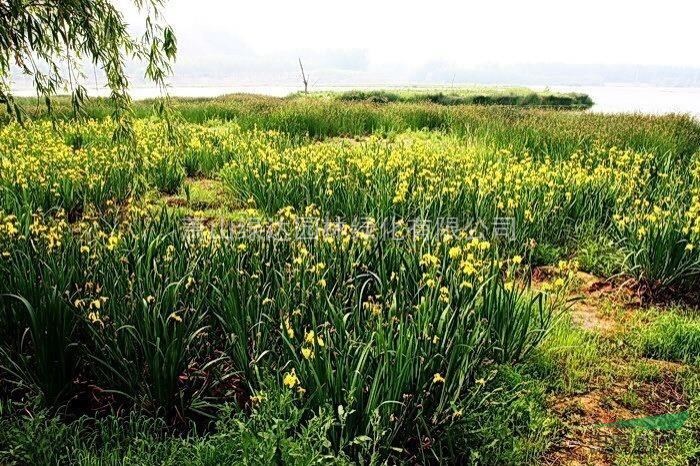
610,98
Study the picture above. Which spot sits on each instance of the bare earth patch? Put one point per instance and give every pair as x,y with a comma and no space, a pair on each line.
586,440
587,298
618,395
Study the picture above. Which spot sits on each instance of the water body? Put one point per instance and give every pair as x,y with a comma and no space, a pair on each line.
645,99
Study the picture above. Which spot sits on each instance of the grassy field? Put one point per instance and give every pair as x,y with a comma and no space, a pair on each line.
331,279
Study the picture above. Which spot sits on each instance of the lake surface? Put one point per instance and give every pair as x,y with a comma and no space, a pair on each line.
645,99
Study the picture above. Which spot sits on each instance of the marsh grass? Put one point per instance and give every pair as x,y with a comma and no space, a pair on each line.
515,97
543,132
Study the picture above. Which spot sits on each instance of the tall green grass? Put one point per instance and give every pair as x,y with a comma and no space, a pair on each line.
671,335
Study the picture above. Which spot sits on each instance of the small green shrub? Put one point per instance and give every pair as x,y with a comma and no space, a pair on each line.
546,254
377,97
599,256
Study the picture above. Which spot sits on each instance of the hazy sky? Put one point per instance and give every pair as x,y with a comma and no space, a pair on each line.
361,43
462,33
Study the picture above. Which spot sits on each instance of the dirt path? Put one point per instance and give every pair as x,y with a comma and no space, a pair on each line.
619,393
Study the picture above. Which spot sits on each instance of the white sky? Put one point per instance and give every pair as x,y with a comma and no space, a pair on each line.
459,32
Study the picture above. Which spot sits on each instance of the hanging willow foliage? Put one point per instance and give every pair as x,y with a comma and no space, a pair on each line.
51,40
